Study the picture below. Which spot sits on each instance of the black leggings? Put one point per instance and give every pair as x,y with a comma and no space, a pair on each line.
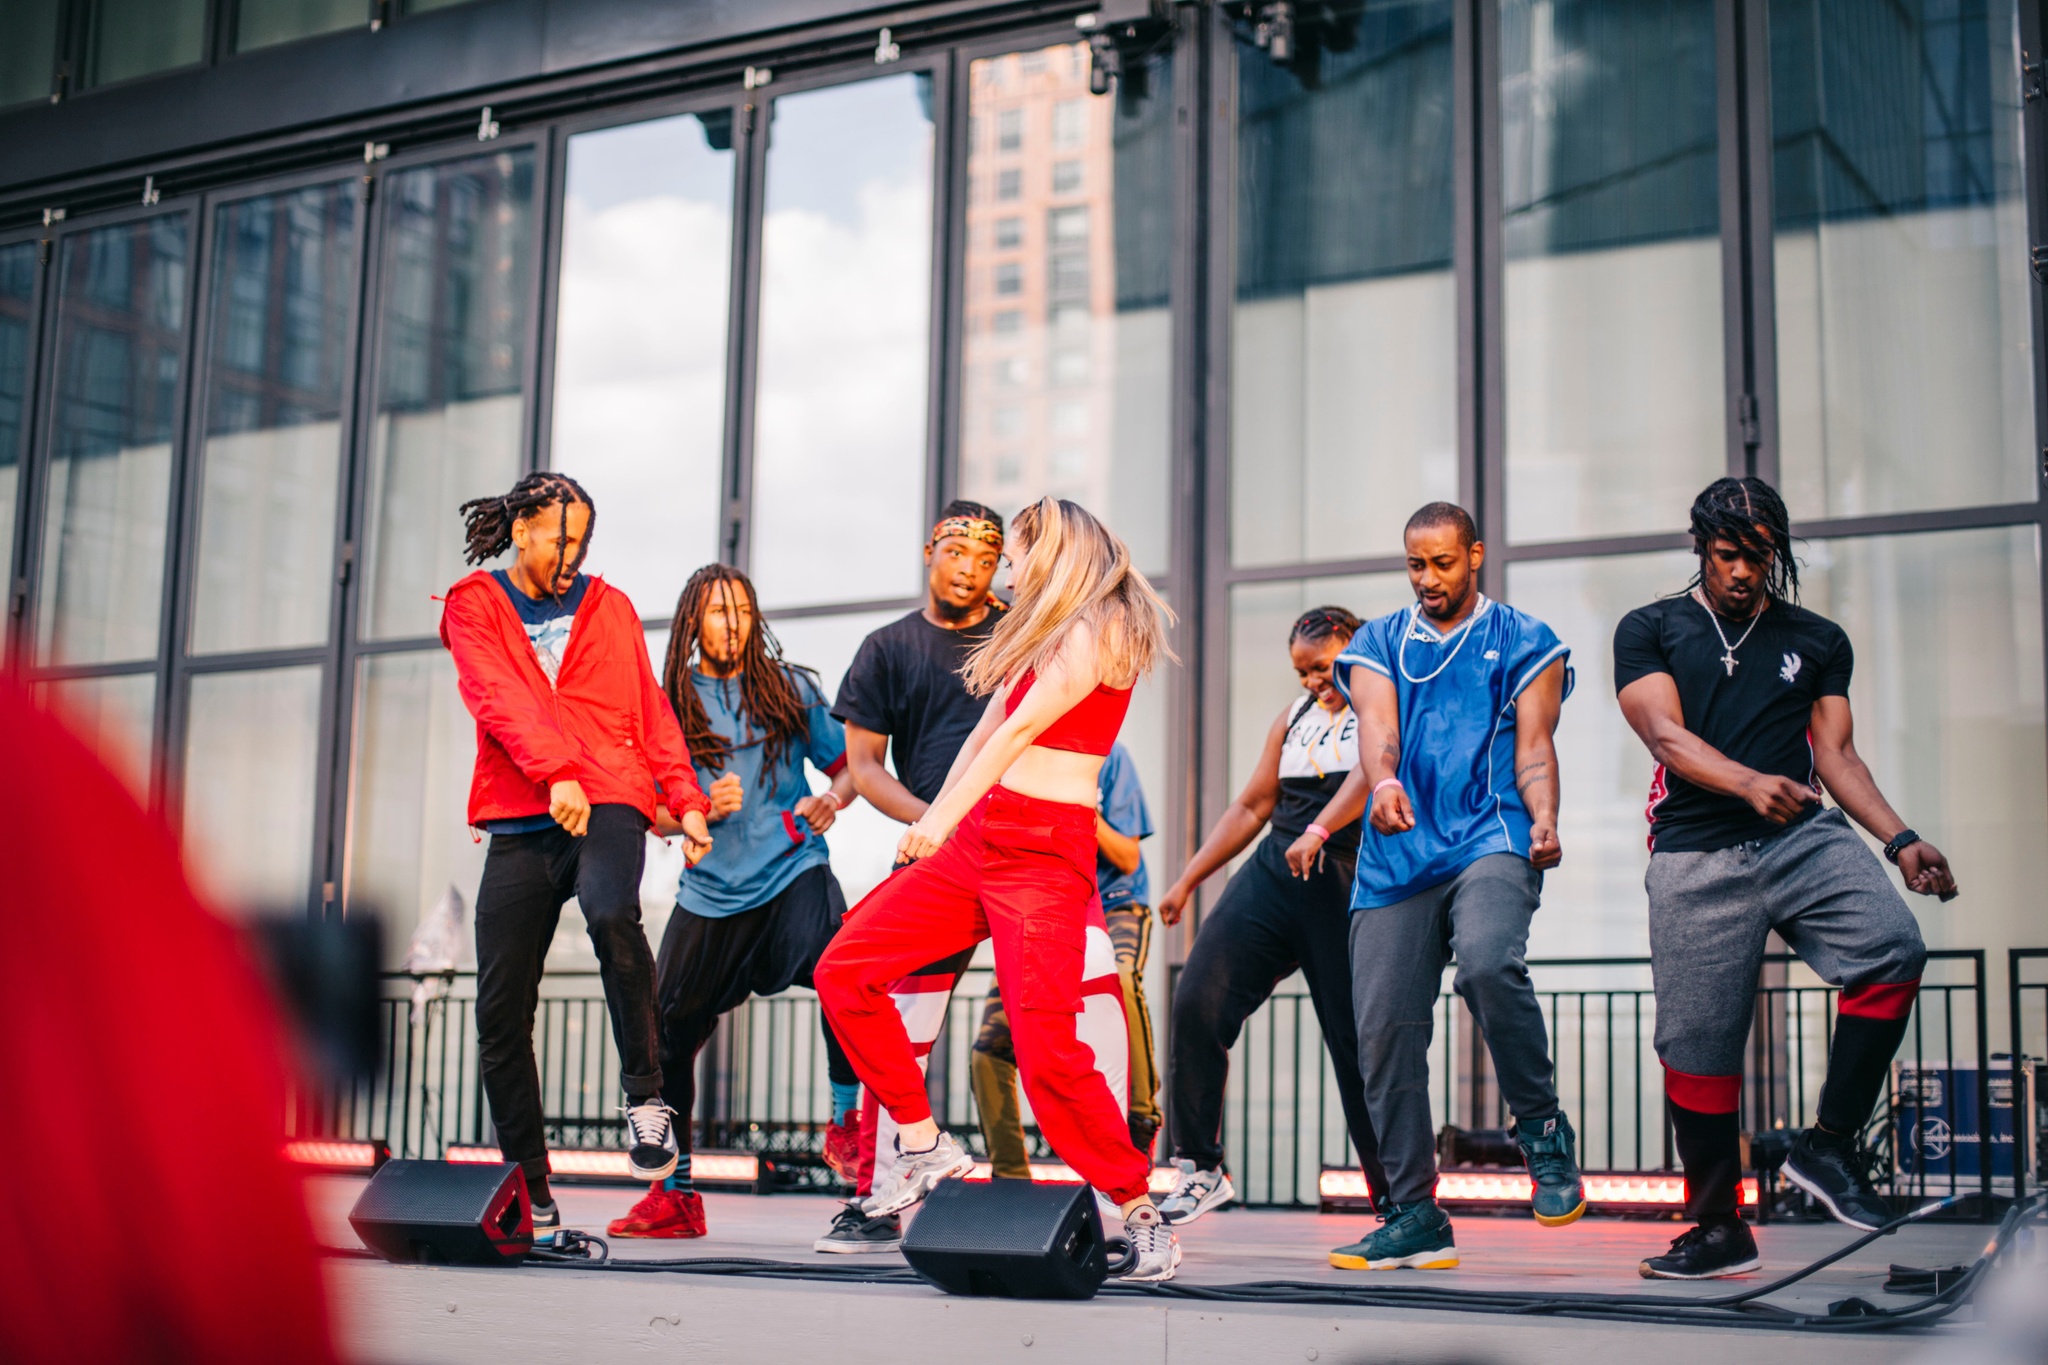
710,965
1265,926
527,879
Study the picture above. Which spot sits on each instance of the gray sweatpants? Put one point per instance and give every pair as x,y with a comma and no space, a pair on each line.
1398,953
1817,884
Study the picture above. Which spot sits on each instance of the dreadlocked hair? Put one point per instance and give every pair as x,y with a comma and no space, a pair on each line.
1323,623
488,521
772,706
1748,514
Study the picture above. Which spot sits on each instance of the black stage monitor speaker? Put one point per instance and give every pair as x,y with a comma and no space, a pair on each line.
1011,1238
446,1212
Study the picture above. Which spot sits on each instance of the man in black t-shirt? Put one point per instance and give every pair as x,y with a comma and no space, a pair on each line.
903,700
1742,697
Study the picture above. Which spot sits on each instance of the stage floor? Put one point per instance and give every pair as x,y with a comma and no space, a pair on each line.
398,1314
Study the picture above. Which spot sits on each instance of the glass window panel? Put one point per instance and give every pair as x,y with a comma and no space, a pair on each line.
259,23
458,248
1344,371
1074,400
136,37
1603,768
115,716
28,49
1262,681
640,345
862,840
120,356
284,275
840,406
1616,405
413,750
17,293
422,6
1948,700
252,746
1905,344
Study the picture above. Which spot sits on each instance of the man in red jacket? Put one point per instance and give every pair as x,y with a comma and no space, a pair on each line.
574,742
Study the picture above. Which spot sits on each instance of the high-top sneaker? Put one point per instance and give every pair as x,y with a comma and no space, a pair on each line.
651,1148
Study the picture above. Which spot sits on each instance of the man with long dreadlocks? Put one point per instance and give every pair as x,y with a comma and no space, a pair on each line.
574,744
1741,696
753,916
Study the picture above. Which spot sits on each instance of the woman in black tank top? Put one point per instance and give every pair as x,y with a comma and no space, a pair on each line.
1268,923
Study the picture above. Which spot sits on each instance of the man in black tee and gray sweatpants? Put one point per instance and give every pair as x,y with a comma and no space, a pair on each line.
1742,697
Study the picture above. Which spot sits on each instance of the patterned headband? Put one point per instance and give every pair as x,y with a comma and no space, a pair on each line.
973,528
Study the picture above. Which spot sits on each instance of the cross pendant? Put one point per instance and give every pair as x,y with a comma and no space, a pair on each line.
1729,660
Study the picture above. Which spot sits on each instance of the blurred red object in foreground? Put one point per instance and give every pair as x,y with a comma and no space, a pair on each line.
151,1215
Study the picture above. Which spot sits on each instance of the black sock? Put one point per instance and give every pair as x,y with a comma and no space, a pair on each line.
1710,1146
537,1191
1857,1065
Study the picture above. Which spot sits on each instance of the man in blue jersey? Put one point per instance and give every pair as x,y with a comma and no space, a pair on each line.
1457,698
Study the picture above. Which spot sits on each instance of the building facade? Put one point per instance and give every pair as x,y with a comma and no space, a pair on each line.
283,282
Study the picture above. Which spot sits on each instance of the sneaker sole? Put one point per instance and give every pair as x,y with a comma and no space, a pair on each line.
1753,1264
914,1191
1443,1258
1812,1187
1559,1221
652,1173
1225,1193
832,1248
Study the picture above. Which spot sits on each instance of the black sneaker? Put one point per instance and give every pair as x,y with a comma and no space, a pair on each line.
1706,1252
853,1232
651,1148
1836,1171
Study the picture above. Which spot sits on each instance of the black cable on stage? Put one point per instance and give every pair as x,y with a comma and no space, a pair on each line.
580,1251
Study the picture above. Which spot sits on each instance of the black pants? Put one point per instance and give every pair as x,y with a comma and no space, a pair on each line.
1265,926
711,965
527,879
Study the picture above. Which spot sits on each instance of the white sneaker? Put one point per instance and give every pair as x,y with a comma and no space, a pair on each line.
651,1150
1195,1193
1155,1250
918,1174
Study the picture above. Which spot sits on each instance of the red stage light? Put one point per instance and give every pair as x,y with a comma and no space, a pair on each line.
333,1154
1628,1189
713,1168
1161,1181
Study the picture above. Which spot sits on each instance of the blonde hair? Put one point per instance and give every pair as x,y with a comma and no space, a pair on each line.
1072,570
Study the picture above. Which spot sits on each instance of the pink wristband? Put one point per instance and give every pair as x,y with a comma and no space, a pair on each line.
1383,784
1319,832
833,797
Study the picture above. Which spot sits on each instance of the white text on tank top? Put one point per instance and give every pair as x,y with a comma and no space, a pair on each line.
1320,743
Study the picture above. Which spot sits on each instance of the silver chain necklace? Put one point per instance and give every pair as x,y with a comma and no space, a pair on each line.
1728,659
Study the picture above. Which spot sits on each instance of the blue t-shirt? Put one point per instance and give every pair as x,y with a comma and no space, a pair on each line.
1123,809
1457,698
760,848
548,621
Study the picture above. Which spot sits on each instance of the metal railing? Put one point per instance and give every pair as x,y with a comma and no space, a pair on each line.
763,1084
2026,979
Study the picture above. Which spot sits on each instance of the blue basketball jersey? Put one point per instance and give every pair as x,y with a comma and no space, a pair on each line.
1457,696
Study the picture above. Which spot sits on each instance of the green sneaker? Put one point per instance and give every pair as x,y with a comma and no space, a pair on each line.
1550,1147
1416,1237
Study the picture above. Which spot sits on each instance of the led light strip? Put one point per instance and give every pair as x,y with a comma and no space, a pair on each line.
729,1168
319,1152
1161,1181
1656,1189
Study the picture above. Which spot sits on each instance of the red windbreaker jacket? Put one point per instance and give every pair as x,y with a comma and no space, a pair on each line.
605,723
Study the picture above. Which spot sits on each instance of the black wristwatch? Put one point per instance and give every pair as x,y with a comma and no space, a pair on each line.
1901,841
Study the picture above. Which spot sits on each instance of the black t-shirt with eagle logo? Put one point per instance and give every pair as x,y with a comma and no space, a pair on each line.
1757,715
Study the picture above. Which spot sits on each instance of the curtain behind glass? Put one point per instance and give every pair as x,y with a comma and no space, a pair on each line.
1068,348
1616,404
1344,338
640,345
284,274
840,405
458,256
120,358
251,759
1905,342
17,292
114,716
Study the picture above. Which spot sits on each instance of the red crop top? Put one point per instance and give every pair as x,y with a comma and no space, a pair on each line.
1089,728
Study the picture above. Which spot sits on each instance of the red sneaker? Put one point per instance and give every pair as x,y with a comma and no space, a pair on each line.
662,1213
842,1150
